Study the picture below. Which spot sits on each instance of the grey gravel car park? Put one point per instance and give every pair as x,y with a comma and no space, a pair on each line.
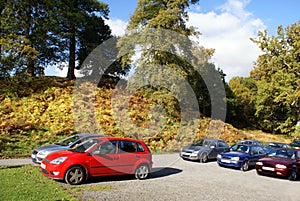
175,179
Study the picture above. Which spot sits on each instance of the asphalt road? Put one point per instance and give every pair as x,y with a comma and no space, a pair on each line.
175,179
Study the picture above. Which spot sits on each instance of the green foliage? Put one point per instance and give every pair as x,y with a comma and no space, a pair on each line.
33,34
241,101
277,78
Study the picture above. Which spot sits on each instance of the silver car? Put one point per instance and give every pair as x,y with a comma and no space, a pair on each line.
40,153
204,149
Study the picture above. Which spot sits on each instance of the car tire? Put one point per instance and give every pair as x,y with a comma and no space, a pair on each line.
204,158
142,172
75,175
245,166
293,176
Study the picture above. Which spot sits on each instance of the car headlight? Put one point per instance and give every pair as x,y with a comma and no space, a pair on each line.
58,160
235,158
280,166
219,156
43,153
259,163
195,152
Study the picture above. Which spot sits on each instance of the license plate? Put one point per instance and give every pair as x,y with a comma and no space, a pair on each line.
225,161
268,168
43,166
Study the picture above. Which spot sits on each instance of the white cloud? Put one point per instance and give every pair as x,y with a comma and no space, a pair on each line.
229,32
117,26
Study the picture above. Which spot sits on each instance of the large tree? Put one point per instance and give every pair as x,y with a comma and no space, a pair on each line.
277,75
184,56
78,20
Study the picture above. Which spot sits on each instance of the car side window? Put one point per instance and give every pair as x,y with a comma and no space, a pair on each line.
254,150
127,146
260,150
221,144
108,147
140,148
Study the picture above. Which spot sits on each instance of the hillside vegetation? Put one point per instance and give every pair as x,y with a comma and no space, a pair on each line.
38,111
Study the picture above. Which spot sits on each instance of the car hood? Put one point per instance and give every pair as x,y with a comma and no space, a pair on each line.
276,160
195,148
51,147
234,154
63,153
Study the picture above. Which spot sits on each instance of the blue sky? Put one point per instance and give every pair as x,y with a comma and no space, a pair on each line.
226,26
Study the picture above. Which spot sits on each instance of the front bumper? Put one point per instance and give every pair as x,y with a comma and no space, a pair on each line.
189,156
53,171
273,171
230,163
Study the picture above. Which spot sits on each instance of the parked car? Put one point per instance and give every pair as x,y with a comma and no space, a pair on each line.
204,149
281,162
275,145
241,156
99,157
40,153
295,144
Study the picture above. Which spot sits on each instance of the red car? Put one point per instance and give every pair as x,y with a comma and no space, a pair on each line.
99,157
281,162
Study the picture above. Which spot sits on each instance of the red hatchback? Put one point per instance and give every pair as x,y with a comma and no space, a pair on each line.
280,162
99,157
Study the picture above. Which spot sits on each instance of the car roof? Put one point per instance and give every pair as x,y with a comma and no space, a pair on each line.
117,138
87,134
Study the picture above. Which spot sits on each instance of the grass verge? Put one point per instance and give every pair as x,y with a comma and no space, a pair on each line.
28,184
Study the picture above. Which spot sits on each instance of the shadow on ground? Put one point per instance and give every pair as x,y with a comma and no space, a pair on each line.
157,172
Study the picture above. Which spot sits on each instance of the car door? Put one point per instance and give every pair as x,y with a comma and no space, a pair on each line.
104,159
128,156
254,155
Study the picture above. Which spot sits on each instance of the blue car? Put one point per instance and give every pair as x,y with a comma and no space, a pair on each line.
241,156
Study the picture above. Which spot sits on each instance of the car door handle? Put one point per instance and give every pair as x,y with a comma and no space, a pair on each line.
116,158
137,156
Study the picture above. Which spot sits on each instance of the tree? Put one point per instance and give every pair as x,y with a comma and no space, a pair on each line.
150,16
241,101
277,75
75,19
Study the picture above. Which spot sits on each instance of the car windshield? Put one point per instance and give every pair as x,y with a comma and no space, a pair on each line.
85,146
282,153
202,142
242,149
68,141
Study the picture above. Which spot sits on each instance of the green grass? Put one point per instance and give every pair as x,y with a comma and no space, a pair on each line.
28,184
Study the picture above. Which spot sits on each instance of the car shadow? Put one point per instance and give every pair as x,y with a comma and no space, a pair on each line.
156,172
198,161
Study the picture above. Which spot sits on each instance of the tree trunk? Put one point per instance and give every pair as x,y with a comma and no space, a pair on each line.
72,57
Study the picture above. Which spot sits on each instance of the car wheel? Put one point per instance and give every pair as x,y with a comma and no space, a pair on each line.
204,158
293,176
75,175
245,166
259,173
142,172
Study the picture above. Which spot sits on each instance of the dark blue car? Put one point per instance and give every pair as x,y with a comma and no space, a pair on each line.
241,156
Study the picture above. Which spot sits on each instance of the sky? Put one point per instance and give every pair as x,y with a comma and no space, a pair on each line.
225,25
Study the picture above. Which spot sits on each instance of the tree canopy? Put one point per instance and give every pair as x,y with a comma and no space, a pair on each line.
277,76
37,34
